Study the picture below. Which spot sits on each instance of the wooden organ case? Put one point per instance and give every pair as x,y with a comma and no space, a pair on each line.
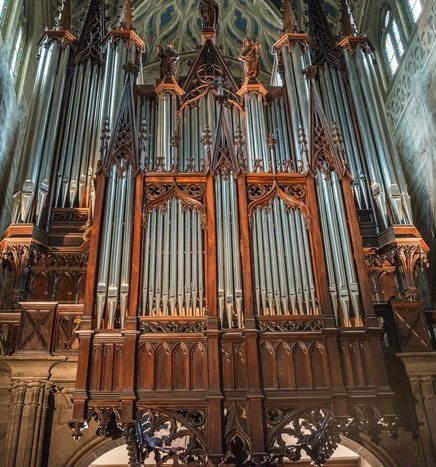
211,240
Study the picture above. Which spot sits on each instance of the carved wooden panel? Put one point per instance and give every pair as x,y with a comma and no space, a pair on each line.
172,366
36,326
9,328
294,364
357,364
67,323
411,326
234,367
106,374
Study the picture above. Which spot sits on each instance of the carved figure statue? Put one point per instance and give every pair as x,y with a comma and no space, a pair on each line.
209,13
250,58
169,60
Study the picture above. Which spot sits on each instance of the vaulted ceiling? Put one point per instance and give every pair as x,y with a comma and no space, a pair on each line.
178,21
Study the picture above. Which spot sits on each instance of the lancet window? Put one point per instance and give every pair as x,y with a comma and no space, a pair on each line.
392,44
415,8
17,53
3,11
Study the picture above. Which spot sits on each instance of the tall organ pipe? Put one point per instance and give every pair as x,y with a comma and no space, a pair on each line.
43,125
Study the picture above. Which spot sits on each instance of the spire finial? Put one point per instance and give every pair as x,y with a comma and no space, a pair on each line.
209,12
128,16
346,26
63,21
289,22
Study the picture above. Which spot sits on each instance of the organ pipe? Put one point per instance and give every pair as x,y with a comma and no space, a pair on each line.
172,264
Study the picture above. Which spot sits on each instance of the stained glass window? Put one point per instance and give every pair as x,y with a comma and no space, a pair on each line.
17,53
392,44
3,8
415,8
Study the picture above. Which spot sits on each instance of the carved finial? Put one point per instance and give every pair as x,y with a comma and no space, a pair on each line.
346,27
104,138
169,60
63,21
128,16
250,58
289,22
209,15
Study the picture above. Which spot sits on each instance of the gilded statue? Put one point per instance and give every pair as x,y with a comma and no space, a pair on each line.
209,14
250,58
169,60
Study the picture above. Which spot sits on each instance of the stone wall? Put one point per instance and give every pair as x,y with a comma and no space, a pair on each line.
410,99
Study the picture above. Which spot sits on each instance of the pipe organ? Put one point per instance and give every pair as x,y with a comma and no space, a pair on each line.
225,226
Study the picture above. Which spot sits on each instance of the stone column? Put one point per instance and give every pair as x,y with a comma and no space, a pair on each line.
25,438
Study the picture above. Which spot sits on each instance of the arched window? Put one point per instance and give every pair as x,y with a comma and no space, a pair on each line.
392,45
3,10
16,57
415,8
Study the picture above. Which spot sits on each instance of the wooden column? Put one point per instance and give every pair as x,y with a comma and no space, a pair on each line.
359,259
135,272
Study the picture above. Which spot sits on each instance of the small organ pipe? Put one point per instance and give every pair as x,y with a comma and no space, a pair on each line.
158,271
146,260
235,249
228,269
126,247
220,246
256,261
188,249
193,309
152,275
269,287
288,256
284,298
200,264
181,257
167,218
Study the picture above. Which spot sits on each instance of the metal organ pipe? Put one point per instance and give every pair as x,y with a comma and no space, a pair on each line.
283,276
172,281
393,178
339,254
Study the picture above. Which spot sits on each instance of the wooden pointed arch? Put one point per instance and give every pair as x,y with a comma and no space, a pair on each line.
223,158
291,202
175,192
123,147
323,151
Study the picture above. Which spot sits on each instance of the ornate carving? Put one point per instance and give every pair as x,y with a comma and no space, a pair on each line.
78,216
316,431
209,11
190,195
262,196
309,325
324,149
237,442
169,59
250,58
368,419
173,326
168,438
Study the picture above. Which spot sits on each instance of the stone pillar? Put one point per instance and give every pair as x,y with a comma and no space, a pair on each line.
421,370
27,424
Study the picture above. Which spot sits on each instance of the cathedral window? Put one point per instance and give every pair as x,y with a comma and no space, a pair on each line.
392,44
415,8
3,9
17,53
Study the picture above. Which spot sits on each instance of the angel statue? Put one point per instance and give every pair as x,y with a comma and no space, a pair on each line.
209,14
250,58
169,60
